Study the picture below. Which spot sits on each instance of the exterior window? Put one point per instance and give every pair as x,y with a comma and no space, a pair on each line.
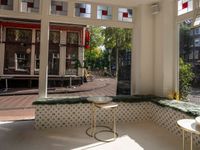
37,63
6,4
59,7
21,62
54,58
197,21
54,52
197,42
104,12
19,35
125,14
17,51
197,31
37,52
30,6
54,37
72,53
83,10
72,38
194,55
71,60
184,6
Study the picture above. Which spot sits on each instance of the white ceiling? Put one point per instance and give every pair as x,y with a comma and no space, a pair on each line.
127,3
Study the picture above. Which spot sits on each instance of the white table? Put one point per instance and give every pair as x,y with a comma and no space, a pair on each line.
102,103
188,125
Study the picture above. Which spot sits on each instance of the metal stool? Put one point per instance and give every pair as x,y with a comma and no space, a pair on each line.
110,105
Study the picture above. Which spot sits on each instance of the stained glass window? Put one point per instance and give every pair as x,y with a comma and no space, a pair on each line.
29,6
6,4
184,6
125,14
54,37
83,10
104,12
72,38
19,35
59,7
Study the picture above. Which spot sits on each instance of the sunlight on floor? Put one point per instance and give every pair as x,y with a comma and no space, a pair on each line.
124,142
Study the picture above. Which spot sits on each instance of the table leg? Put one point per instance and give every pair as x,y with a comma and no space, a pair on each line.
114,124
94,117
183,140
191,141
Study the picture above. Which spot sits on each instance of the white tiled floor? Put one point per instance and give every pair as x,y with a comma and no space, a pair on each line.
134,136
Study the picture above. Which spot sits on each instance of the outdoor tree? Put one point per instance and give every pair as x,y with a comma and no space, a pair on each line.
117,39
105,41
185,78
94,53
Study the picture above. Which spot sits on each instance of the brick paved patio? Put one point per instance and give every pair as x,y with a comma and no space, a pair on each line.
19,107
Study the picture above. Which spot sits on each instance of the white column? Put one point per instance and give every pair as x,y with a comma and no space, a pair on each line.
44,50
2,51
33,52
143,52
63,36
165,52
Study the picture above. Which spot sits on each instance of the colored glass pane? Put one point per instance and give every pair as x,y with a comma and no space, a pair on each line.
59,7
30,6
104,12
125,14
83,10
184,6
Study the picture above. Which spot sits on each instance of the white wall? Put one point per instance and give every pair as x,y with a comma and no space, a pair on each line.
154,54
165,51
143,53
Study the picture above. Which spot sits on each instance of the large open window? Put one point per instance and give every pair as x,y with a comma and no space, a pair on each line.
189,60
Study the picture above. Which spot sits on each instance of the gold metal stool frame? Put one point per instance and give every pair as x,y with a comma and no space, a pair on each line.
110,105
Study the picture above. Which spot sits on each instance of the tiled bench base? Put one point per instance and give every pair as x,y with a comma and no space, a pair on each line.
75,115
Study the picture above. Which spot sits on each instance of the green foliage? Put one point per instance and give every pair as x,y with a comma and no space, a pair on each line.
117,37
185,78
96,37
110,39
94,54
93,57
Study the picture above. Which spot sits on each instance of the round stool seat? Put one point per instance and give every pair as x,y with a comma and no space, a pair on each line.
107,105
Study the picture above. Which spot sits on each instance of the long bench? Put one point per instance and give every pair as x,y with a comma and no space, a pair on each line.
75,112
